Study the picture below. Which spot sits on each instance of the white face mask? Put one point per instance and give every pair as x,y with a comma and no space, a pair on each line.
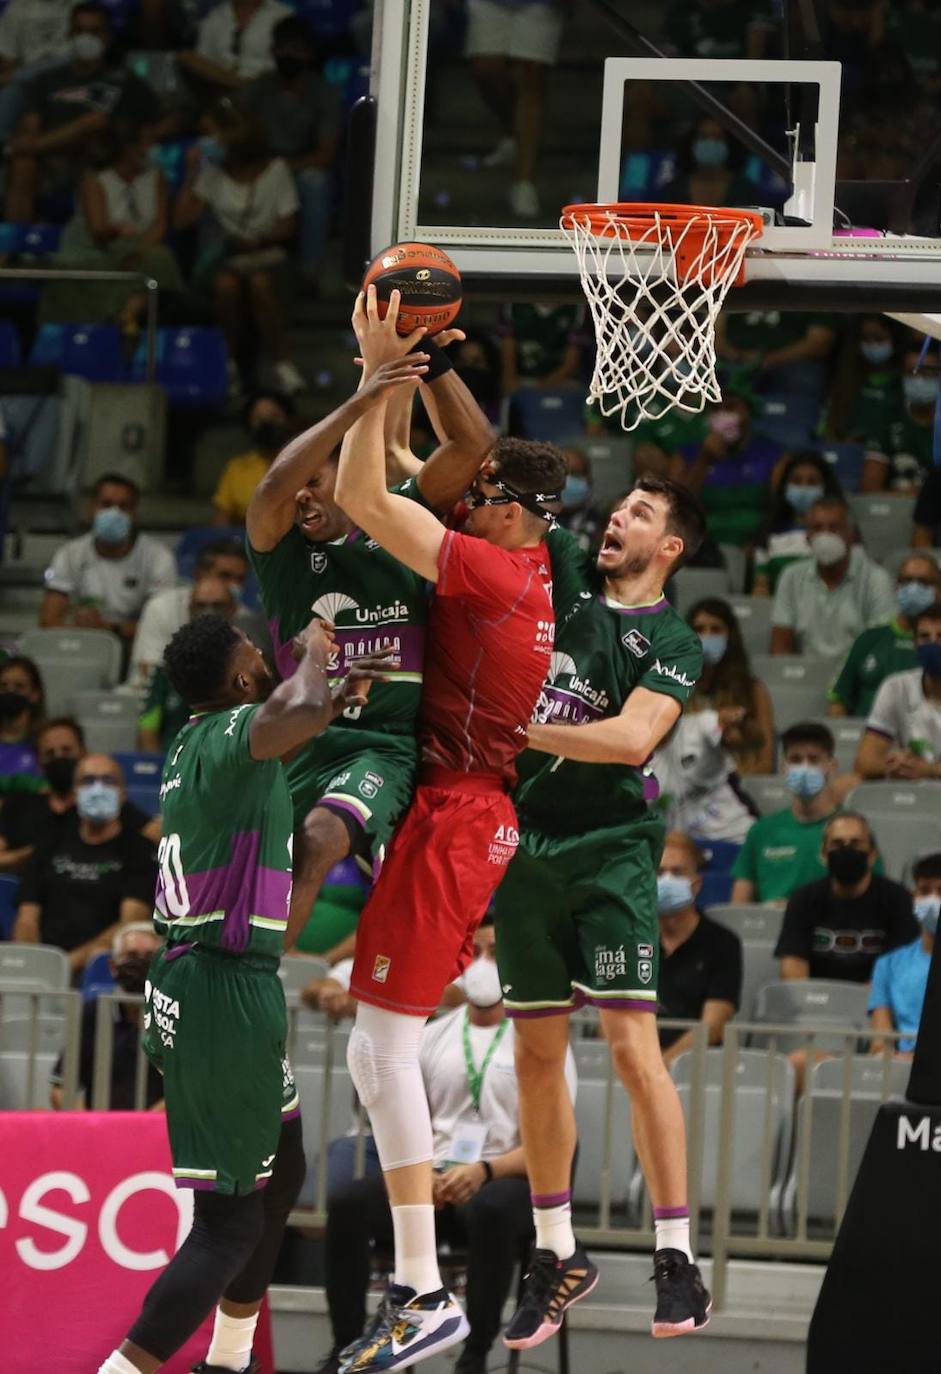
827,548
482,985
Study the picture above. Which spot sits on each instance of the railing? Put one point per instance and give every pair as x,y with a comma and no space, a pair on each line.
769,1172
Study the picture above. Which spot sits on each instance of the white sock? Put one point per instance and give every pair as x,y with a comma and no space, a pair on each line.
554,1229
673,1234
116,1363
416,1248
231,1346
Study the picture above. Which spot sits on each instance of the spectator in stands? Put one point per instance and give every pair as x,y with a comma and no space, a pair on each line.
781,350
93,877
886,649
165,612
300,113
804,479
102,579
34,35
477,363
732,469
782,851
866,394
699,787
121,226
718,28
927,514
578,515
708,170
22,711
483,1202
728,687
132,951
269,419
837,926
67,105
252,203
37,821
541,344
824,602
903,731
511,47
165,713
902,456
700,975
899,979
234,43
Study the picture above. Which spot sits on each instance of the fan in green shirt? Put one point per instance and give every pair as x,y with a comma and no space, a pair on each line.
901,456
886,649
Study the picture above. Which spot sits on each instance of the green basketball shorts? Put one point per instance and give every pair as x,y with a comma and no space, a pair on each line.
576,921
215,1025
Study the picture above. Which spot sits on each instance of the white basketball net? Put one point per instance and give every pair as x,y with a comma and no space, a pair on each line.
654,321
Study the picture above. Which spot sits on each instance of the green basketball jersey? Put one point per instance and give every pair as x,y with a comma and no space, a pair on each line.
602,652
370,597
225,855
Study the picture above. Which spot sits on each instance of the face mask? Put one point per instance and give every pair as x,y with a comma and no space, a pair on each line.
482,984
575,491
926,912
673,892
929,657
269,436
805,780
111,525
710,152
130,973
211,149
98,801
912,597
13,704
827,548
290,66
727,424
847,865
920,391
87,47
800,499
714,647
876,352
60,774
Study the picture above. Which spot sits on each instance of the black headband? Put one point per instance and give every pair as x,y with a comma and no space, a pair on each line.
533,501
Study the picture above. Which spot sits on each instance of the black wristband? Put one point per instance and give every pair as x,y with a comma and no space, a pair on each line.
438,361
488,1170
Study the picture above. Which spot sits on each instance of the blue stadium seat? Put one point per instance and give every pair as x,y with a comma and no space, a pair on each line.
194,540
9,887
328,18
644,174
552,416
191,366
142,779
97,977
10,352
846,460
790,418
26,241
40,240
92,351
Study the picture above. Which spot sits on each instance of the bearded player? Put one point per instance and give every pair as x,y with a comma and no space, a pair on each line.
577,914
490,637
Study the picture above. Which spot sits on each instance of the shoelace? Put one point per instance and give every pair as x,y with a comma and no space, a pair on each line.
540,1282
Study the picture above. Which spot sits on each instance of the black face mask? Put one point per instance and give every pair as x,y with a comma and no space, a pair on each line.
269,436
290,66
13,704
59,774
131,973
847,866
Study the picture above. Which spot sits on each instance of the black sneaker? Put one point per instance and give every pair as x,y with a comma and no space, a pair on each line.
330,1364
204,1368
552,1286
683,1302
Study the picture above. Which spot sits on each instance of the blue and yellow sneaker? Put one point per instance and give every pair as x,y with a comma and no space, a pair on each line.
406,1329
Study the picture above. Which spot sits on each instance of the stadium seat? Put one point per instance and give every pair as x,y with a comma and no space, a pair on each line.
737,566
97,977
16,1033
190,366
17,1092
33,968
846,460
896,557
142,779
11,353
297,970
884,522
768,791
612,468
812,1002
592,1058
752,922
716,889
907,798
71,661
194,540
754,619
759,967
553,416
39,240
798,685
904,839
847,731
690,585
9,888
328,19
790,418
591,1105
92,351
108,719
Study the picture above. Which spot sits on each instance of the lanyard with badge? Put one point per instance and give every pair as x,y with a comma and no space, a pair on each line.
470,1137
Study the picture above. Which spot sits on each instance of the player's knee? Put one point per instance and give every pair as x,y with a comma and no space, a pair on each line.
639,1070
231,1224
361,1062
537,1055
326,839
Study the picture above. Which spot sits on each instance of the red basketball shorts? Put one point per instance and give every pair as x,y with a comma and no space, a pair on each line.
446,860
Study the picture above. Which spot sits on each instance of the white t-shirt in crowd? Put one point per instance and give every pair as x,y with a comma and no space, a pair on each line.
902,712
117,586
162,616
248,54
699,783
444,1069
249,209
131,202
34,30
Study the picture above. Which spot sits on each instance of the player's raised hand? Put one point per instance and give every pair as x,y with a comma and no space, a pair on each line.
353,688
319,640
388,377
379,340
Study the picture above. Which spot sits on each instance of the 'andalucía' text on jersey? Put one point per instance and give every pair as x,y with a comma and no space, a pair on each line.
602,652
225,855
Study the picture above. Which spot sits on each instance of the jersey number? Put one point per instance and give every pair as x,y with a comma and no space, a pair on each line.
172,878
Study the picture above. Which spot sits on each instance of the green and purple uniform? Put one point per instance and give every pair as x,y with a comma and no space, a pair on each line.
363,765
215,1023
576,914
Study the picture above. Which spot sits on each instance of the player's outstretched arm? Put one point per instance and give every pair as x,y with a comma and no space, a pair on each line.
630,738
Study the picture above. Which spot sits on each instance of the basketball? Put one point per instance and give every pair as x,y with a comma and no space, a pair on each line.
429,283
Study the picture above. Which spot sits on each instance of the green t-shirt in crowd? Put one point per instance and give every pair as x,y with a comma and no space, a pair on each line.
876,653
781,853
908,447
164,710
765,331
542,334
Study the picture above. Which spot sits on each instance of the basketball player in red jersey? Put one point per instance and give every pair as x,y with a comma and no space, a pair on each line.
490,638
